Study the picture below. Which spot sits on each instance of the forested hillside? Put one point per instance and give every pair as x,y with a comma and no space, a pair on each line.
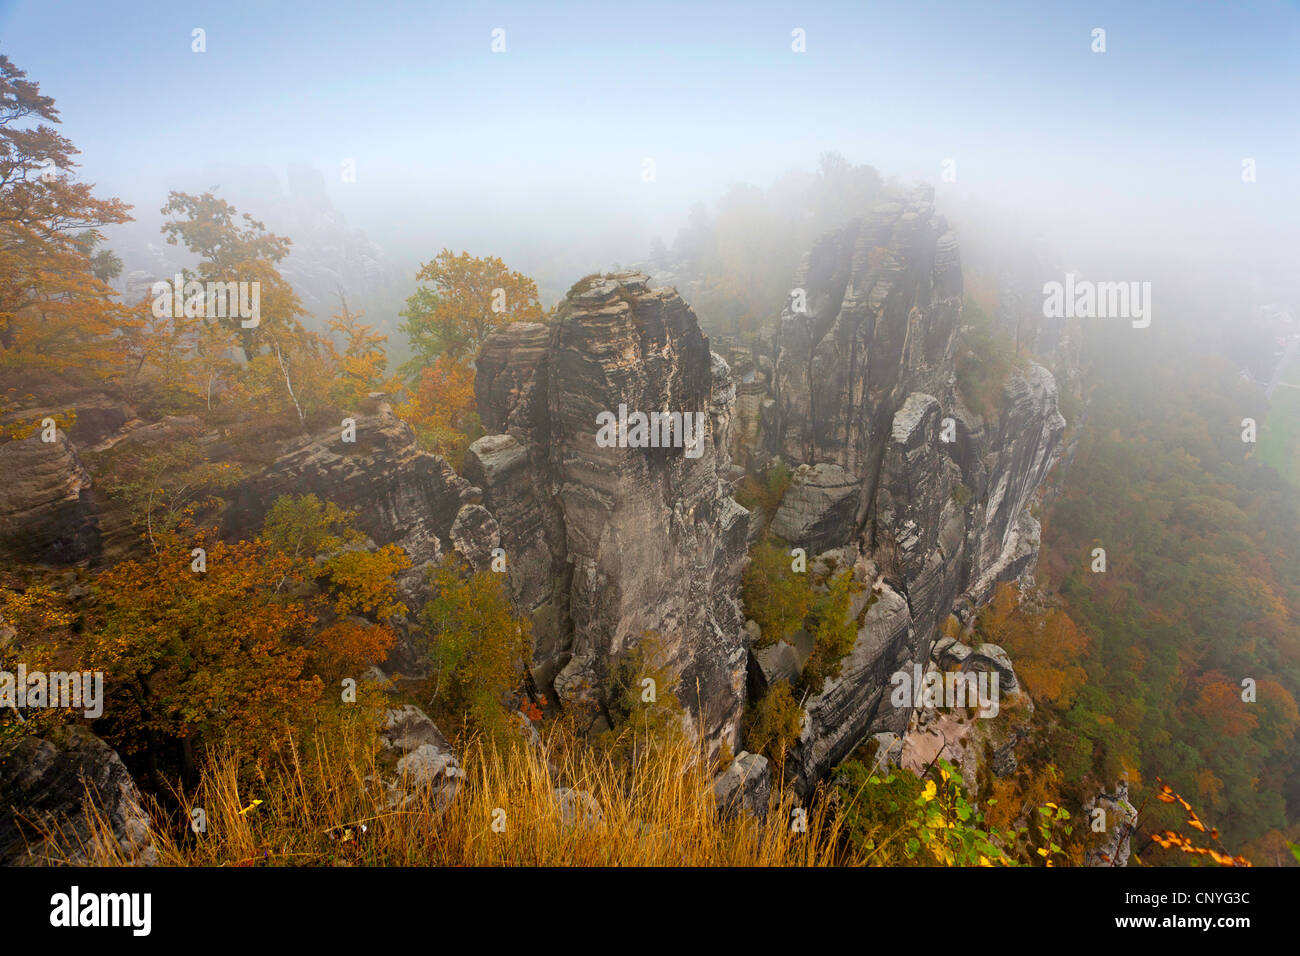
1200,593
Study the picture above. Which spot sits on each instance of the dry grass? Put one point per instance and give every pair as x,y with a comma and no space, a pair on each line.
663,814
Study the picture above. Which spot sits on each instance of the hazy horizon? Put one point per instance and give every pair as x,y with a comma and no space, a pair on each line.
1129,154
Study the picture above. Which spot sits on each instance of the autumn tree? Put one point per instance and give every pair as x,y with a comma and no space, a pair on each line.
466,299
195,657
57,315
834,631
774,724
442,409
362,362
163,486
322,541
1046,645
325,548
641,704
232,248
282,359
33,616
776,597
232,643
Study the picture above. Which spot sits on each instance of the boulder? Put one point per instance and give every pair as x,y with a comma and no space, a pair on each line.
817,510
744,787
47,787
427,763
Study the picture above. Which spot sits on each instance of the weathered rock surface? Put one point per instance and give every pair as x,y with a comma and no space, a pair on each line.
401,494
427,762
47,786
1026,447
47,509
817,511
883,296
609,544
849,707
935,503
1120,818
963,735
745,786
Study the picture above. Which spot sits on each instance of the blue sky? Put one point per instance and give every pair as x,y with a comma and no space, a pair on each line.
555,129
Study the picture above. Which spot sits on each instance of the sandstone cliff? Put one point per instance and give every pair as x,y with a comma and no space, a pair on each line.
894,476
609,545
898,479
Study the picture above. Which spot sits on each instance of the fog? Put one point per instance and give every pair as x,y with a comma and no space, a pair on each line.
593,131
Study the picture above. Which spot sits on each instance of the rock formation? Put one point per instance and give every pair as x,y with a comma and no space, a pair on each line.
47,508
48,785
400,494
895,477
610,545
1120,818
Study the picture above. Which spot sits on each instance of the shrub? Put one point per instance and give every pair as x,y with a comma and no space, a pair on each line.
834,632
776,597
774,724
477,648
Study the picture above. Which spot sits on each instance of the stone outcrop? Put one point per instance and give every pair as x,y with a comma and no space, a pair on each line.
47,509
849,707
933,504
400,493
744,787
608,545
425,761
880,306
817,511
1121,816
1024,449
47,787
856,390
962,735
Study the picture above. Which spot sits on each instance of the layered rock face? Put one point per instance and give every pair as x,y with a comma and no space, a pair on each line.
47,508
609,546
897,479
893,478
871,320
399,493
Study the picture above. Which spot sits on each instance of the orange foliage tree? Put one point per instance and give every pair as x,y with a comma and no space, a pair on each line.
56,315
233,645
442,409
192,658
1046,645
466,300
363,361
